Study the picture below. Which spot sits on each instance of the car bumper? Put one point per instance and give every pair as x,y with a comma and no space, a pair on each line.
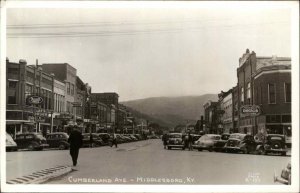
11,148
276,150
233,148
175,145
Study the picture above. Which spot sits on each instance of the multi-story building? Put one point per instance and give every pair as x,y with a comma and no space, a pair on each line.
266,83
111,100
59,103
67,74
212,118
23,82
226,102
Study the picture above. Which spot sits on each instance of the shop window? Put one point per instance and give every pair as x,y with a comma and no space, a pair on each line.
12,99
272,93
273,118
287,92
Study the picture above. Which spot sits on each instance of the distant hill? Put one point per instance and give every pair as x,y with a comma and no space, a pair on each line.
172,110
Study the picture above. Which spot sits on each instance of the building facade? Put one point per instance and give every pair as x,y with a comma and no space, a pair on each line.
265,82
226,105
67,74
24,82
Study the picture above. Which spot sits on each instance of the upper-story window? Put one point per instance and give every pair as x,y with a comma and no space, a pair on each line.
287,92
68,88
272,93
11,92
242,94
72,89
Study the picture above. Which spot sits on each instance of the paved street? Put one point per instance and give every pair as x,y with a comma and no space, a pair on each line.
146,162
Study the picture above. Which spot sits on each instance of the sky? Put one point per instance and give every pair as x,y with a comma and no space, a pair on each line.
150,52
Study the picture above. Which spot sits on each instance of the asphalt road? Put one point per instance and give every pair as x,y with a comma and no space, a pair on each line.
146,162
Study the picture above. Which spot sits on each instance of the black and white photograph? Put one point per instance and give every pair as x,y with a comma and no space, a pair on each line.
157,96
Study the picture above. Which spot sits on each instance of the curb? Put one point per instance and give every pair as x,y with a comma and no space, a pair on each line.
42,175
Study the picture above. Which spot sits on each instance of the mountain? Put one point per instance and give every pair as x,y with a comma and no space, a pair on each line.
172,110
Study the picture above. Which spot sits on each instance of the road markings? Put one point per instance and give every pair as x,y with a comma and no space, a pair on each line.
41,176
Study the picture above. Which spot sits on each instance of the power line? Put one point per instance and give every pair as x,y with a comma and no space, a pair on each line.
130,32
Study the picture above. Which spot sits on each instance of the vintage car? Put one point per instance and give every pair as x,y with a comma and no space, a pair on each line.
10,143
274,143
285,177
31,141
239,142
206,142
175,141
106,138
96,142
219,145
58,140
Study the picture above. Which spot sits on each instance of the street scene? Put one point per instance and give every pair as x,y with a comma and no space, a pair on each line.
166,95
147,162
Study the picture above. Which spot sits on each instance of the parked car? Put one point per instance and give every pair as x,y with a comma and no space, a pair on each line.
31,141
58,140
106,138
206,142
195,137
274,143
285,177
175,141
219,145
97,141
131,136
10,143
138,136
239,142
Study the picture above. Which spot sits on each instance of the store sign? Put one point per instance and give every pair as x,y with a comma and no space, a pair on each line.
250,110
35,100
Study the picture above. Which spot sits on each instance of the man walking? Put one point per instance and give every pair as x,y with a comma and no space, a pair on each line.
75,141
190,142
165,139
114,141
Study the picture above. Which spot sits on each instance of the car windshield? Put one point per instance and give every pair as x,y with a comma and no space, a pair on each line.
237,136
39,136
175,136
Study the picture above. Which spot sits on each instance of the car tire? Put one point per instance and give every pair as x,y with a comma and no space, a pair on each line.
199,149
61,147
32,146
169,148
210,149
283,153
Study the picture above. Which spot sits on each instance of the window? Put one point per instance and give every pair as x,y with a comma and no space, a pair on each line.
242,94
72,89
272,93
12,84
68,88
287,92
248,90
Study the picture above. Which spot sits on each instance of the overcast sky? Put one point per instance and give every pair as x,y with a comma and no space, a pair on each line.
149,52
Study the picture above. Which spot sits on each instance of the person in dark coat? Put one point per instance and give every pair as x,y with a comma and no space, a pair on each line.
75,141
190,142
91,140
165,140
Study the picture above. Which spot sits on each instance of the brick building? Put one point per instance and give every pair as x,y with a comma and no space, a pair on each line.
22,82
266,82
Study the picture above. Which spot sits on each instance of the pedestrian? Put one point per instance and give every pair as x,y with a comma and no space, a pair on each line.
91,140
75,141
186,141
165,140
114,141
190,142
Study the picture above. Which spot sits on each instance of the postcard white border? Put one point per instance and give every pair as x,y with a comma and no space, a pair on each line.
293,5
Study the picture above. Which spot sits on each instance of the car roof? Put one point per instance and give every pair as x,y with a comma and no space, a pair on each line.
210,135
56,133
